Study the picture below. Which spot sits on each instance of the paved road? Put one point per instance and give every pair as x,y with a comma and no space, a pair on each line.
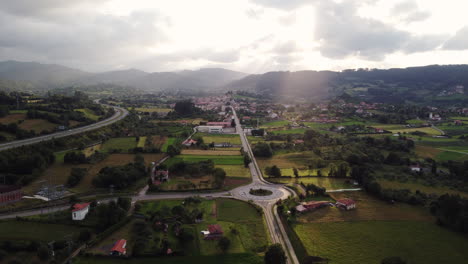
276,229
120,113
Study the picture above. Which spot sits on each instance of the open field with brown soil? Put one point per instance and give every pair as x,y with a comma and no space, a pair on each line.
158,141
368,208
38,125
210,152
13,118
426,151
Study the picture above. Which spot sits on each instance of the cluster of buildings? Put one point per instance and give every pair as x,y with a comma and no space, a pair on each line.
10,194
346,204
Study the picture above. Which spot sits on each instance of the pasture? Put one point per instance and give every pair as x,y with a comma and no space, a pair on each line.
272,124
122,144
414,186
371,241
19,230
218,160
153,110
238,171
234,139
38,125
167,143
245,258
88,113
141,142
233,152
326,182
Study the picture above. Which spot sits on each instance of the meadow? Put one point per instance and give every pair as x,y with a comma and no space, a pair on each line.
245,258
88,113
371,241
218,160
220,138
167,143
32,231
326,182
234,152
122,144
413,186
238,171
153,110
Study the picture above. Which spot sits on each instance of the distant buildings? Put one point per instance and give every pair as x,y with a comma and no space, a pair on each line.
10,194
346,203
308,206
210,129
80,211
159,176
189,142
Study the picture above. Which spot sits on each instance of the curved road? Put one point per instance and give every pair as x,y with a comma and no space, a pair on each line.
267,203
120,113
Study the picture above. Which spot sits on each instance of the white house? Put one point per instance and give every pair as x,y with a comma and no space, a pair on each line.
80,211
415,168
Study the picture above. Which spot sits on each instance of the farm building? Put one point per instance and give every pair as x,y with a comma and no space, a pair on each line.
119,248
10,193
159,176
213,232
80,211
415,168
222,124
308,206
346,203
210,129
189,142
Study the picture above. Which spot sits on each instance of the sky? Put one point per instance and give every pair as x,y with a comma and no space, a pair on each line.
252,36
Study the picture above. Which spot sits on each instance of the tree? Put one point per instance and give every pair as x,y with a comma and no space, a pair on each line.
43,253
184,108
233,122
262,149
247,160
219,175
296,172
76,174
224,244
84,235
393,260
173,150
275,255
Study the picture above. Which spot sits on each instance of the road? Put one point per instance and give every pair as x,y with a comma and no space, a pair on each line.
267,203
120,113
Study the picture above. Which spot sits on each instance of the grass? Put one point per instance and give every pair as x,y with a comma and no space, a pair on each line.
153,110
245,258
18,230
289,131
326,182
221,138
439,190
234,152
428,130
167,143
280,123
235,171
88,113
124,144
371,241
218,160
449,155
38,125
141,142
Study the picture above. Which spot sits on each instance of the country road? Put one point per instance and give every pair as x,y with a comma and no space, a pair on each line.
120,113
267,203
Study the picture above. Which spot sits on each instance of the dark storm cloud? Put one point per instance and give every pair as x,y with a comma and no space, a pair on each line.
341,33
459,41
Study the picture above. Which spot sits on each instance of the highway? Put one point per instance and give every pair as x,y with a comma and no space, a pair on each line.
120,113
267,203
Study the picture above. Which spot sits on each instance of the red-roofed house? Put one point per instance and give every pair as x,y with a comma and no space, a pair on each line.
189,142
79,211
346,203
159,176
213,232
308,206
119,248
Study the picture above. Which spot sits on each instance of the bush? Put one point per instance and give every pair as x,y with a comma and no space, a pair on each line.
43,253
224,243
76,174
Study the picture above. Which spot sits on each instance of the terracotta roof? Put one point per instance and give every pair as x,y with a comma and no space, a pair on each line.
119,246
79,207
9,188
215,229
314,204
346,201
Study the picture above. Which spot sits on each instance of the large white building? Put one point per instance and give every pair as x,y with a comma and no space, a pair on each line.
210,129
80,211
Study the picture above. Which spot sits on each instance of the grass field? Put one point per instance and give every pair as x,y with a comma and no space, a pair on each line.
289,131
280,123
167,143
141,142
123,144
235,171
88,113
439,190
450,155
371,241
153,110
234,152
218,160
58,173
18,230
326,182
244,258
426,151
220,138
38,125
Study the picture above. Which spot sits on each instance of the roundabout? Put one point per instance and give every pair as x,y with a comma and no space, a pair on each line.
274,193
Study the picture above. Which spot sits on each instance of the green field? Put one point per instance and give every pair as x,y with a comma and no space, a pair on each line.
18,230
88,113
326,182
235,170
220,138
218,160
141,142
412,186
289,131
123,144
371,241
169,141
153,110
280,123
244,258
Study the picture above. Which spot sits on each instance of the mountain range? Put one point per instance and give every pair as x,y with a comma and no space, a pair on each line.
444,83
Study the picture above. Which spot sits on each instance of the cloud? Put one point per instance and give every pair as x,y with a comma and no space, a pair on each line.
342,33
459,41
286,47
283,4
408,12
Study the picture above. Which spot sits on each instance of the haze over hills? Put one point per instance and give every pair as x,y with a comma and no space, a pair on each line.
37,76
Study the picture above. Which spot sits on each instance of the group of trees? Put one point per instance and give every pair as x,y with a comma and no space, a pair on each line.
121,177
76,175
451,211
262,149
273,171
109,214
198,169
